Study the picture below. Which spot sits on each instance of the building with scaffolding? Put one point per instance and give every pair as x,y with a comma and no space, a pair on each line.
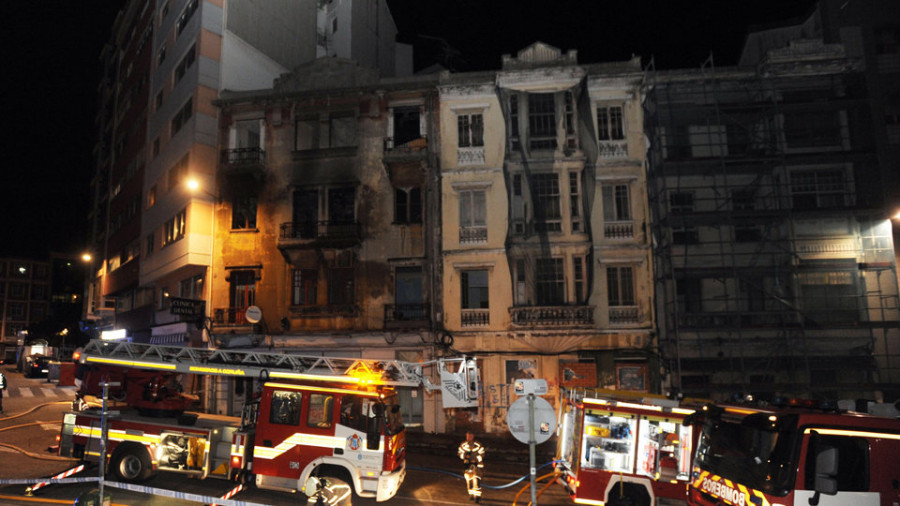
774,262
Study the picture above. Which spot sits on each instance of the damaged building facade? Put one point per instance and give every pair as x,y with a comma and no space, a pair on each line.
326,222
546,260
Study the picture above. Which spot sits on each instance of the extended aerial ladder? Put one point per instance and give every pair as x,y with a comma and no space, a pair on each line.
459,387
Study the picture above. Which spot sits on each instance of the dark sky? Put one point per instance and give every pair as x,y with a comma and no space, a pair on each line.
50,69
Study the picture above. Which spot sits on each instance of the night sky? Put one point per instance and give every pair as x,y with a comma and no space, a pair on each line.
50,70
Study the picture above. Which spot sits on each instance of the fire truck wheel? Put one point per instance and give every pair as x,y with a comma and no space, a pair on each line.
632,495
131,463
333,492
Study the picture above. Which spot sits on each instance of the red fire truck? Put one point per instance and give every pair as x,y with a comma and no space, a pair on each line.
621,448
315,417
800,454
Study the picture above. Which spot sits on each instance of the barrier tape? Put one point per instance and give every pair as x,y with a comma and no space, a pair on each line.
178,495
64,474
231,493
63,480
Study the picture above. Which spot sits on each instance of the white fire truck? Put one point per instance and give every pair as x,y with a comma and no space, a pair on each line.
316,417
623,448
801,453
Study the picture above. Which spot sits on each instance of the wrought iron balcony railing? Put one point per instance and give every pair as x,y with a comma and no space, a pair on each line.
624,315
243,156
311,230
552,316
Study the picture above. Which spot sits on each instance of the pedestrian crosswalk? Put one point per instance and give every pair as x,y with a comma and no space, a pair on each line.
41,392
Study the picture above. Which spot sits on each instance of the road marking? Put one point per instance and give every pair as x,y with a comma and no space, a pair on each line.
48,392
25,392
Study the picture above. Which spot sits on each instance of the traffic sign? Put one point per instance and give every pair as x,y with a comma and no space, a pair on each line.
253,314
544,420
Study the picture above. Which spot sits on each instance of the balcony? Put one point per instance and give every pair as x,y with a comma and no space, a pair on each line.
624,315
229,317
473,235
318,234
552,316
244,161
612,150
470,156
475,318
405,316
415,149
618,230
326,311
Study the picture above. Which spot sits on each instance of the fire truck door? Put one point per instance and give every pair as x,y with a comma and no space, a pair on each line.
847,468
279,434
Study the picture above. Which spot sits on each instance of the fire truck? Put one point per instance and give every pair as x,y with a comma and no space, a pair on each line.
314,417
802,453
622,448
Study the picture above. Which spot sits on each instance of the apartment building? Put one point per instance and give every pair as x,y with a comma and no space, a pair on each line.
775,271
166,63
327,221
546,259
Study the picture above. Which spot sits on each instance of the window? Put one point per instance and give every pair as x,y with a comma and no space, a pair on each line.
474,289
689,295
853,465
575,200
745,200
620,286
151,197
578,270
406,125
178,172
15,310
514,120
408,283
159,100
341,205
471,130
610,125
150,243
304,287
818,189
550,282
306,213
340,280
571,139
542,120
681,203
616,205
182,116
243,212
812,129
285,409
472,216
18,290
242,289
186,16
192,287
184,64
829,294
161,55
408,205
546,205
174,229
321,411
342,131
155,147
336,131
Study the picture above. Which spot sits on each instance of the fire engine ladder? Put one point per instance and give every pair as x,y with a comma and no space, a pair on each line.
461,384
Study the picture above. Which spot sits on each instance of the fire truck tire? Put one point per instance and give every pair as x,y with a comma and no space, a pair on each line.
335,492
633,495
131,463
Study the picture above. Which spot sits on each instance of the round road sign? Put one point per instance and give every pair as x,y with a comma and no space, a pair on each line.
253,314
544,420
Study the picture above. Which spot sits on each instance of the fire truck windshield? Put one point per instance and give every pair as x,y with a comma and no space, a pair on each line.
755,451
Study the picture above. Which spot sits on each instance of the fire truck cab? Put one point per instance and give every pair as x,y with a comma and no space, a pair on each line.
617,448
796,455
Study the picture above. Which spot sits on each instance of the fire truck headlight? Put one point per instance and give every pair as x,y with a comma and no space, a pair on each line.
235,461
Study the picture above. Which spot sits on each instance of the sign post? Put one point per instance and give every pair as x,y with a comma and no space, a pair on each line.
104,435
531,420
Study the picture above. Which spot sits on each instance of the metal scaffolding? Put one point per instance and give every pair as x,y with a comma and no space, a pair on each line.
774,264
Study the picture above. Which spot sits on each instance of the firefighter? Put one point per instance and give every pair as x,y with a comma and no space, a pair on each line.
2,388
472,454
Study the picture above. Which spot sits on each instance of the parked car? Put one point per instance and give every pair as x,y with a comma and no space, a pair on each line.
37,366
